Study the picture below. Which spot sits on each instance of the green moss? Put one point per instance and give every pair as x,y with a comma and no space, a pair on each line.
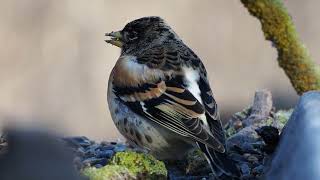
197,163
243,114
230,132
143,166
235,124
282,116
293,57
269,121
109,172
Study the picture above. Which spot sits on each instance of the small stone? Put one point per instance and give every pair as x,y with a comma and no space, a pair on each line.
90,161
237,124
245,135
103,161
106,147
78,141
91,150
113,143
98,166
105,143
105,154
258,170
252,158
246,155
247,147
120,148
258,144
245,169
237,157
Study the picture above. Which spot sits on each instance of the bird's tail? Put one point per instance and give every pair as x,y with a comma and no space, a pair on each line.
221,166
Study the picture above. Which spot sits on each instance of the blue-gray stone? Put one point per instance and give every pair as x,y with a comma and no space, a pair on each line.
237,157
247,147
106,147
245,135
245,169
258,170
78,141
120,148
298,154
105,154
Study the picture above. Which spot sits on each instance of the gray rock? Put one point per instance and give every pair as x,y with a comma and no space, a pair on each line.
105,154
78,141
106,147
245,169
258,170
298,154
245,135
120,148
91,161
247,147
237,157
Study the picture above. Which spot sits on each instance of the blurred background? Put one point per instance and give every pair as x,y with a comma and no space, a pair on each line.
54,63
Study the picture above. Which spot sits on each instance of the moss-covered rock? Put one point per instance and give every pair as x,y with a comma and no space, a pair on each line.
142,166
109,172
197,163
235,123
129,165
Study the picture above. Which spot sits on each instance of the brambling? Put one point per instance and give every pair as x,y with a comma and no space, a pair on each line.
160,98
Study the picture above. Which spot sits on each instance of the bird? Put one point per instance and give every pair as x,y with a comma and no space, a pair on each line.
160,98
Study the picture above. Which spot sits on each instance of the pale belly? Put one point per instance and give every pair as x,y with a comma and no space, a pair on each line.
145,134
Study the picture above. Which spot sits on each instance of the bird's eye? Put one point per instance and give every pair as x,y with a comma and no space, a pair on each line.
132,35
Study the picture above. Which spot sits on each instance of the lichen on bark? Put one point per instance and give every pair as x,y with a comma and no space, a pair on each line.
293,57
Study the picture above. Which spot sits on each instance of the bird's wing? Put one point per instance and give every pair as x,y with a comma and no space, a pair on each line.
168,102
211,109
173,107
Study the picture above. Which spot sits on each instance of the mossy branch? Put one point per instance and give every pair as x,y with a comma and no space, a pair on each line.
293,57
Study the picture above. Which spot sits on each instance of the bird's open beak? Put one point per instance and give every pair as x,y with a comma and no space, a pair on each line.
116,38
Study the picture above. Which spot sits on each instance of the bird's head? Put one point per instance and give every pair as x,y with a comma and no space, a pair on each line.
140,34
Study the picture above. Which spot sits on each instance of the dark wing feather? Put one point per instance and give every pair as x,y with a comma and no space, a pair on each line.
165,58
211,109
176,109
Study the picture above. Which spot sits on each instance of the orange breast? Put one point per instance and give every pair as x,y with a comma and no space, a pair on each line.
128,72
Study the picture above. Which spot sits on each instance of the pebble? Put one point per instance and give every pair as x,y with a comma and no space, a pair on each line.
113,143
252,158
247,147
245,169
105,154
106,147
258,170
98,166
78,141
120,148
237,157
92,161
238,124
